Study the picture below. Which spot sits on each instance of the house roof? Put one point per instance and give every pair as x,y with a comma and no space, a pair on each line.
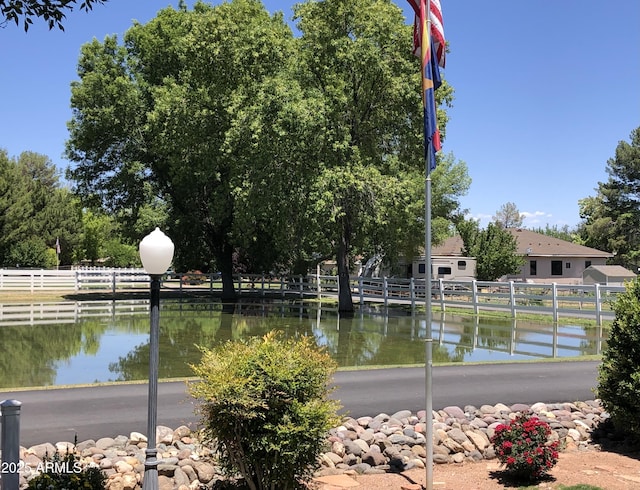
611,270
529,243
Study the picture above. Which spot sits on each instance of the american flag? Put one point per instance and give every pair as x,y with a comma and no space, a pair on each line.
437,30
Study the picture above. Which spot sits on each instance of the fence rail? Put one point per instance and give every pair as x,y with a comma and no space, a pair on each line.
590,301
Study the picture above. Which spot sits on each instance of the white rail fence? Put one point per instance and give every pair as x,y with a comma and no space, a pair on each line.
590,301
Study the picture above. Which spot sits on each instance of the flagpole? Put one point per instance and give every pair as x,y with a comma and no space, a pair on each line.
427,270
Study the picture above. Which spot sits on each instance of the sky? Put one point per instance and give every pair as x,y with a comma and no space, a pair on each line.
544,92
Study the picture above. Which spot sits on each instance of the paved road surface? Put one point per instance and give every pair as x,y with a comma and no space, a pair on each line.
52,415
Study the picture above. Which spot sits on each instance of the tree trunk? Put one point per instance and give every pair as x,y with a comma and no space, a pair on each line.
225,261
345,302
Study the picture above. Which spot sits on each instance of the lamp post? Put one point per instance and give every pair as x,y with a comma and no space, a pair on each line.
156,253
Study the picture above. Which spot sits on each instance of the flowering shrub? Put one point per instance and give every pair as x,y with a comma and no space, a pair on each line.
523,447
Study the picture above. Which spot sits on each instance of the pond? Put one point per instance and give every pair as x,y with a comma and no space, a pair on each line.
86,342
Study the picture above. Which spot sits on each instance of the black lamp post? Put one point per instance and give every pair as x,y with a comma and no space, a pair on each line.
156,253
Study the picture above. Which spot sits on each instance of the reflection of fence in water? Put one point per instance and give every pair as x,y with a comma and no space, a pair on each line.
67,312
522,338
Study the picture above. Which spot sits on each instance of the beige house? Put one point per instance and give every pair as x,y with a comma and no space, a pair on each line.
547,259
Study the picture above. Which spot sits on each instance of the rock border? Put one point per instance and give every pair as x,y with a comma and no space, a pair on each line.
366,445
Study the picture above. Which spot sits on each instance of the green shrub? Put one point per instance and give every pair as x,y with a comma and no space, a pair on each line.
118,254
31,252
65,472
265,405
619,372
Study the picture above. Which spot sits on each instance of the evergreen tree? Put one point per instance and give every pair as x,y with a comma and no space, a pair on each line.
612,216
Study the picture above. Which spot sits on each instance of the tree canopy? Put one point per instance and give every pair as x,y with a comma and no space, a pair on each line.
264,152
51,11
612,216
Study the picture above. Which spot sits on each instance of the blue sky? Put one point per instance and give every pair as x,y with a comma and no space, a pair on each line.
544,91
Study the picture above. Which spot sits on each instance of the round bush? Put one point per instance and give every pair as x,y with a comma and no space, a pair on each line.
265,406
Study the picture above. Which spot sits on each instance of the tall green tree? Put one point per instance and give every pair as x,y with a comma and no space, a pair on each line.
33,206
14,205
159,111
612,216
493,247
265,152
355,57
51,11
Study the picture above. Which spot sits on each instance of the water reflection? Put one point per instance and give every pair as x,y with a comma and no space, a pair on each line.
67,343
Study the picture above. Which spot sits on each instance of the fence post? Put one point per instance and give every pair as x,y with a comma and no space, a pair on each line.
554,301
512,299
10,444
301,287
474,293
412,293
32,280
262,283
598,305
441,291
113,282
385,291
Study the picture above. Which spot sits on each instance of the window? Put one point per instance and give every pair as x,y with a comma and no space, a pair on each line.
587,263
567,265
556,267
421,269
533,268
462,265
442,271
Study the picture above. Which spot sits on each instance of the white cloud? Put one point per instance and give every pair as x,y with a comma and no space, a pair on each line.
536,218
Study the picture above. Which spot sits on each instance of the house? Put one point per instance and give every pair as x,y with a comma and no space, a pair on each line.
547,259
611,275
449,268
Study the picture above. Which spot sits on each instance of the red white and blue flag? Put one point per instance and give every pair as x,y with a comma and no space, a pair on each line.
430,45
437,29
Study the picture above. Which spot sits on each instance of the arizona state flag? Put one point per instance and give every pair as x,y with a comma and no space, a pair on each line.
432,56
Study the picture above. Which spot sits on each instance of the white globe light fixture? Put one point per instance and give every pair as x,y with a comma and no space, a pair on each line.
156,253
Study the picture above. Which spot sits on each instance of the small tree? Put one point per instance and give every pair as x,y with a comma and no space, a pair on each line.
120,254
619,378
32,252
508,216
494,248
265,405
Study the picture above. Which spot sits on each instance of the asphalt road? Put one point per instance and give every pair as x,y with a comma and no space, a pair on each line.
53,415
